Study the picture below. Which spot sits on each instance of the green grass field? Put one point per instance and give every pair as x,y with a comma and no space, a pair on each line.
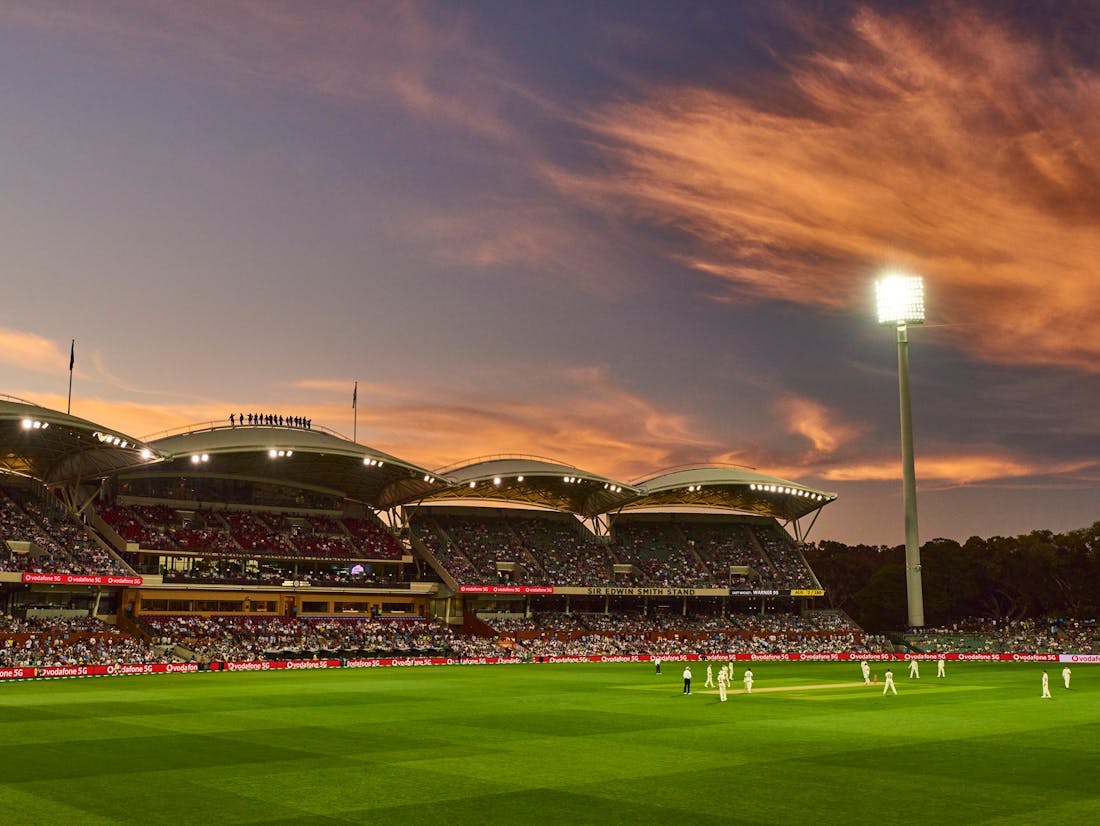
568,744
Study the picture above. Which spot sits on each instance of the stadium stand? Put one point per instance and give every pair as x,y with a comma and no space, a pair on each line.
56,542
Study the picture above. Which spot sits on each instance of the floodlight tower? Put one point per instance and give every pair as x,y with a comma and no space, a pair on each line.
901,303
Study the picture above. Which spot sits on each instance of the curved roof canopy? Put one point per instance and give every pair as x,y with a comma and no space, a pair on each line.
316,457
728,487
59,449
533,480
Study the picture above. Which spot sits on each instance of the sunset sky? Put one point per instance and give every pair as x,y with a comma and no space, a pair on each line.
629,235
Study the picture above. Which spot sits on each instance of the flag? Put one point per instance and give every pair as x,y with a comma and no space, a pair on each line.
72,355
355,397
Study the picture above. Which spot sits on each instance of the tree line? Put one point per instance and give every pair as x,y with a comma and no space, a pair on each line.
1031,576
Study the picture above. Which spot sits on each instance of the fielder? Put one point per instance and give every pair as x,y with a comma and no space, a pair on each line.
1065,676
866,669
723,683
748,681
710,678
889,683
914,670
1046,688
941,667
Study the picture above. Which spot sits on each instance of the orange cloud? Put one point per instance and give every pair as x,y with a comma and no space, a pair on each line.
963,152
30,351
817,423
953,469
587,420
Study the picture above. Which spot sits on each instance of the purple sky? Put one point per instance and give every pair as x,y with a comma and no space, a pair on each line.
628,236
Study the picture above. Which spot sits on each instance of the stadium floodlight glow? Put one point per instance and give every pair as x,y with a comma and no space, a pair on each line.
146,453
900,300
472,484
272,453
496,481
519,478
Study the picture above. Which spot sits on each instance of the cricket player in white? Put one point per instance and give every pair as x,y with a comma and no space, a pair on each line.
748,681
941,667
1065,676
723,683
710,678
914,670
1046,688
866,669
889,684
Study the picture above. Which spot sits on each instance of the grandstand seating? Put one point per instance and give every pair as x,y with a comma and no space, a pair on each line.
59,543
272,535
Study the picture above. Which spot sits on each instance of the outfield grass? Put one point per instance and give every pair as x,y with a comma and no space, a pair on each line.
552,744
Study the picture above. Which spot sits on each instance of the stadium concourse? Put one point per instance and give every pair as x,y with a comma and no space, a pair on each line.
280,541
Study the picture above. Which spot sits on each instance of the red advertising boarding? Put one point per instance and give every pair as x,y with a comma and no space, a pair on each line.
81,579
122,669
506,589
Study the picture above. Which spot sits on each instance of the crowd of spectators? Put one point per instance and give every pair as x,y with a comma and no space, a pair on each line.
983,635
60,641
58,543
244,638
790,567
568,555
576,634
549,551
660,555
43,642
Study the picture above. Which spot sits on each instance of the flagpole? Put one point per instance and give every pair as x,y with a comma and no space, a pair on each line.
72,358
355,414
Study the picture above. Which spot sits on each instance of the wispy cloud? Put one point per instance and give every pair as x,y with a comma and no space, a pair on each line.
816,422
962,152
30,351
416,55
580,415
954,469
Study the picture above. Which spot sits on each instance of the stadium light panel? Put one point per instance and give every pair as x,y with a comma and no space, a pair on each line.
900,299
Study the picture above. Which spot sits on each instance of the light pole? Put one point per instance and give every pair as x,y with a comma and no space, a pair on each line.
901,303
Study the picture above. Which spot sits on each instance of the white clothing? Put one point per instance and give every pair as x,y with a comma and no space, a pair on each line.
723,683
748,681
710,678
1065,676
866,669
1046,688
914,669
941,667
889,686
